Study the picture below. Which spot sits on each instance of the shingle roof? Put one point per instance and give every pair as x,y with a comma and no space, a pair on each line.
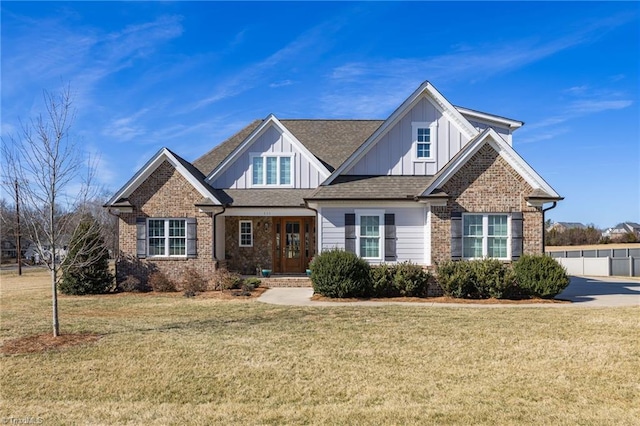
348,187
211,159
331,141
267,197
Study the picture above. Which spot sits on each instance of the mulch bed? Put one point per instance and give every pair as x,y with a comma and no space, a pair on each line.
442,299
45,342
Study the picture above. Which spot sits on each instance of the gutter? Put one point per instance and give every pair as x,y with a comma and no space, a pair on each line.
215,246
553,206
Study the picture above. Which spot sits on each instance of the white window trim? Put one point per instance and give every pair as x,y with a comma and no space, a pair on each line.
166,237
264,156
433,126
380,214
250,222
485,235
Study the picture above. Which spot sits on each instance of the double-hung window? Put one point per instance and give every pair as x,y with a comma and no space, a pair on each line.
271,170
370,234
167,237
485,235
424,135
246,233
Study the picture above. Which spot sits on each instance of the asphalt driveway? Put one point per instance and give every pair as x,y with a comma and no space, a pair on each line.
582,291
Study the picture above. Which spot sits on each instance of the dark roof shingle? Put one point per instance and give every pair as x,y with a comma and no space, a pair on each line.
348,187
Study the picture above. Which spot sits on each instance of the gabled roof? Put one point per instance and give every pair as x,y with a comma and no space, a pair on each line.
186,169
351,187
479,115
270,121
330,141
491,137
426,89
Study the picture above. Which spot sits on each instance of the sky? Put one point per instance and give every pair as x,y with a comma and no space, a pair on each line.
187,75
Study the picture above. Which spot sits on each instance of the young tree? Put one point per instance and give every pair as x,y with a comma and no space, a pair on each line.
54,178
85,269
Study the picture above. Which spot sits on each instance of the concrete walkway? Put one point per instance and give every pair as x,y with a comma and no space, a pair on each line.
582,291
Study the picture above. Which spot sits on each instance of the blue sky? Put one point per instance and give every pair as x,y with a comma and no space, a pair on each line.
186,75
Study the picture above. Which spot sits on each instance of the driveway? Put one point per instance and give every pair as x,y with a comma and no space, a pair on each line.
582,291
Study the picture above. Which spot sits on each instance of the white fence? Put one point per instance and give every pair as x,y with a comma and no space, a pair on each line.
601,262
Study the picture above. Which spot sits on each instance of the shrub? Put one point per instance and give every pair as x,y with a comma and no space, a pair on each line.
476,279
337,273
223,280
192,281
400,280
540,276
455,278
161,283
133,284
250,284
85,269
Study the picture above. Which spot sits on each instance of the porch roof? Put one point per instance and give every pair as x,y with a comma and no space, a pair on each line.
267,197
347,187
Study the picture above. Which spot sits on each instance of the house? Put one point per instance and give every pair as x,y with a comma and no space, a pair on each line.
622,229
430,183
565,226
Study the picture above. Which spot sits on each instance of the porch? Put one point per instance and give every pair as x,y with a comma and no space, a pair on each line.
283,244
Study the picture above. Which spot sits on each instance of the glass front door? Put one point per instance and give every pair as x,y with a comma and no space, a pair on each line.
294,240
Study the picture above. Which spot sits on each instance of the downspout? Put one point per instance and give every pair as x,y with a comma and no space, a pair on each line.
215,246
543,228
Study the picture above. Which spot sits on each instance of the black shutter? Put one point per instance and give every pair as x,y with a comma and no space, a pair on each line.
350,232
516,235
456,235
191,237
141,237
390,237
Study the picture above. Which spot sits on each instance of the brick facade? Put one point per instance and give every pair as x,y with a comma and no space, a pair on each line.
246,259
165,194
485,184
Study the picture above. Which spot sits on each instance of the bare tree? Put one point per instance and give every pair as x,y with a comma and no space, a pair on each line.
55,179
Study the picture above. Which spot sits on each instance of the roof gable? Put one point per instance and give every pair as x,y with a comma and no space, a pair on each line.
491,137
186,169
426,90
270,122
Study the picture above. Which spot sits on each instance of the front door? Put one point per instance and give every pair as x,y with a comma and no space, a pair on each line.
292,243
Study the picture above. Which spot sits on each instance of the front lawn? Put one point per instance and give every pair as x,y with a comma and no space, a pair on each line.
166,359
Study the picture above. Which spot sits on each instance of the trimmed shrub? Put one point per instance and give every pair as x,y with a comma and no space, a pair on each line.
399,280
192,281
337,273
455,278
250,284
540,276
161,283
476,279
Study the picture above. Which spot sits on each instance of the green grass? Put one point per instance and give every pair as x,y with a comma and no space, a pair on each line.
167,359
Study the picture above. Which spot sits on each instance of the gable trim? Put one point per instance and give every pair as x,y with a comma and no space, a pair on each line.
151,166
479,115
271,120
503,149
426,89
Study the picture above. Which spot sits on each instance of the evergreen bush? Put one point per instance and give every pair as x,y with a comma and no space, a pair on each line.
337,273
85,269
540,276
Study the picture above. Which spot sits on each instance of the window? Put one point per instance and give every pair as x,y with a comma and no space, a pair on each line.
424,141
167,237
271,170
485,235
369,234
246,233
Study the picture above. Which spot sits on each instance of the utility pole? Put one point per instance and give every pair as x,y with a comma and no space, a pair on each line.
19,249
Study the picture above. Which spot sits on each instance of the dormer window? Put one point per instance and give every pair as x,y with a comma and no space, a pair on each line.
424,140
271,169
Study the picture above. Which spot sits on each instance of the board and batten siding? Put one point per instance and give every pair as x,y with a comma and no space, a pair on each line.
410,229
502,131
393,154
238,175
